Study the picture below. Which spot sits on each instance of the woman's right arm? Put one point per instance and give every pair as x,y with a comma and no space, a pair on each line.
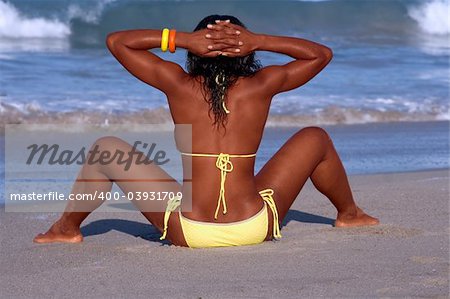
310,57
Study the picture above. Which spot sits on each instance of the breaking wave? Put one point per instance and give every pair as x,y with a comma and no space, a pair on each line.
13,24
432,16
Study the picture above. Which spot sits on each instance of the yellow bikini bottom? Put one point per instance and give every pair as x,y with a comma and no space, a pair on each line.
246,232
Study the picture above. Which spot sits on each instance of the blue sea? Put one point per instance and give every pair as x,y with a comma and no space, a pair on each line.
385,94
391,57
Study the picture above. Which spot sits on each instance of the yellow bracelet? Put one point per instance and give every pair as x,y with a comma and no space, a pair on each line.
165,39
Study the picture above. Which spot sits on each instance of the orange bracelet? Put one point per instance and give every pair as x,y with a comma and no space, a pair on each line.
172,46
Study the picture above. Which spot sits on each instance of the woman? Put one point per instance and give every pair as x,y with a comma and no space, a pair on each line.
226,97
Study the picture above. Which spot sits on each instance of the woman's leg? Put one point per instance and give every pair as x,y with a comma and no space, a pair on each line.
310,154
98,177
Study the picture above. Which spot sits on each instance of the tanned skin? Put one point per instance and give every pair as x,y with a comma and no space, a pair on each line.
309,153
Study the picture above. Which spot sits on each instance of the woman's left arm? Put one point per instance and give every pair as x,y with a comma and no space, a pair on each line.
130,48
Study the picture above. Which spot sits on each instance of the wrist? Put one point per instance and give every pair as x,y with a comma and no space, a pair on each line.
260,41
182,39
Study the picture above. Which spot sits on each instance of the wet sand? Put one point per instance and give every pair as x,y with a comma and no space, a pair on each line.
121,256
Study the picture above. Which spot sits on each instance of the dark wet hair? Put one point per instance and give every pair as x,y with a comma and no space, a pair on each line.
227,68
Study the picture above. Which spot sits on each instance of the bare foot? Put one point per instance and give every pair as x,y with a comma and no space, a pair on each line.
358,219
60,233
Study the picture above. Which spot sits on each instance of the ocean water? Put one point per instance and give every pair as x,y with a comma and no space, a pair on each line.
377,147
391,57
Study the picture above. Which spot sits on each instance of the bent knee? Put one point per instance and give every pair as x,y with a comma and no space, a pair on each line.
316,134
107,142
106,147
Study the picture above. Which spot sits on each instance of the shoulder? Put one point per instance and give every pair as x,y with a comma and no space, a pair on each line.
261,83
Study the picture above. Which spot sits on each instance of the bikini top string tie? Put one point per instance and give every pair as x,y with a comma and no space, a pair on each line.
224,164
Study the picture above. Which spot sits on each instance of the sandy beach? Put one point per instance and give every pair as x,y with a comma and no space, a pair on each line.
121,256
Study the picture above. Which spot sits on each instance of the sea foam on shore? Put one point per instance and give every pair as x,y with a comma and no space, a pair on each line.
330,115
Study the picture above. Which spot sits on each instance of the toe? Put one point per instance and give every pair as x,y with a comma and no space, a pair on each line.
39,238
375,221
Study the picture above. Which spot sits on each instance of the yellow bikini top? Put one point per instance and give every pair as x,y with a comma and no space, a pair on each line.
224,164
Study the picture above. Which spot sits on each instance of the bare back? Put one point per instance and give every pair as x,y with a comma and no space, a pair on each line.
242,134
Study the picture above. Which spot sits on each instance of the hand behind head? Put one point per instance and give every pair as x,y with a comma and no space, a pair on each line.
222,38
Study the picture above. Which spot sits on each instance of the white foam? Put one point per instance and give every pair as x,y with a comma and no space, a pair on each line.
443,116
432,16
14,24
6,106
19,32
387,101
91,15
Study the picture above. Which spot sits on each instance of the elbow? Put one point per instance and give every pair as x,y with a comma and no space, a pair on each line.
324,56
327,54
112,40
